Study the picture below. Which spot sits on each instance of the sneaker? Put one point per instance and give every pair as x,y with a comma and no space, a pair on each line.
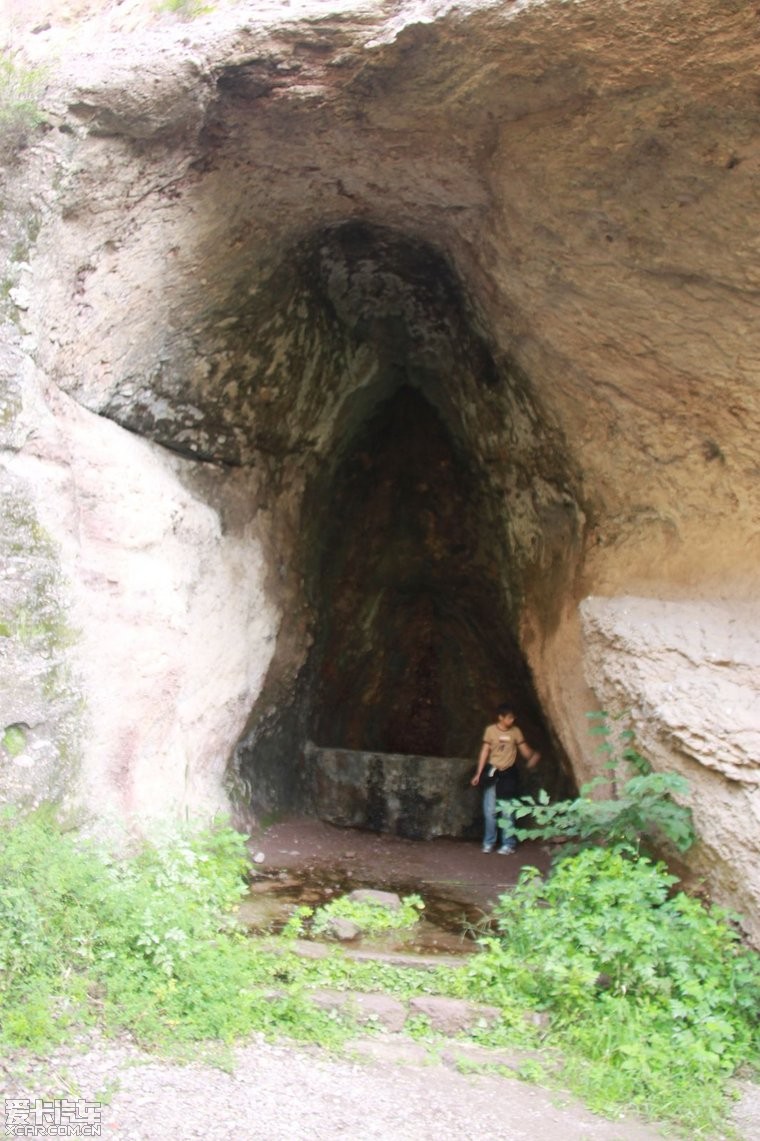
505,850
488,848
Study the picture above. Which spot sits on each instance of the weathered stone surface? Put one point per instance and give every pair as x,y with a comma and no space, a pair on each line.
689,672
241,238
40,696
381,1009
344,930
445,1015
691,669
453,1015
396,1051
472,1055
387,899
167,632
416,797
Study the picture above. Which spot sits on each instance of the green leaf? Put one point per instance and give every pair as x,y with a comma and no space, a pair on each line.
14,740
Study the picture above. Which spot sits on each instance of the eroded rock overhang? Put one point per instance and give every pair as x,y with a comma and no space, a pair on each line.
587,171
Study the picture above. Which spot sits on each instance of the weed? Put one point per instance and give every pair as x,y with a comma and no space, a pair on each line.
641,811
185,9
531,1070
296,925
20,92
14,740
651,995
338,972
370,916
418,1026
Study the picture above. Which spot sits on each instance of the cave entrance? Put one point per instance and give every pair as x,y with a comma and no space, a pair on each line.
415,645
407,550
413,640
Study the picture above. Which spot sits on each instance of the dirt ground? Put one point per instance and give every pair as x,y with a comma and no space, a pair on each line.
382,1089
457,869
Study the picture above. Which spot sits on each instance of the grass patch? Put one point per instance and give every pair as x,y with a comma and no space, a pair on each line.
185,9
147,944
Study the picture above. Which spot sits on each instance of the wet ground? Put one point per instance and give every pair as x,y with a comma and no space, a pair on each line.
307,862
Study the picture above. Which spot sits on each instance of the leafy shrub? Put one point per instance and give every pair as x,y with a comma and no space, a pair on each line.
83,934
651,986
149,944
643,810
20,93
372,917
185,9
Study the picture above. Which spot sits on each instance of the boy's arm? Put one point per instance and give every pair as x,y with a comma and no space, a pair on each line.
484,754
531,756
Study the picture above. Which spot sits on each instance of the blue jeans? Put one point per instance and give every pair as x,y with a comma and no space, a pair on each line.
489,812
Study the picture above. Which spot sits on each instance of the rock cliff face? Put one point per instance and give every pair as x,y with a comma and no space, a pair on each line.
348,348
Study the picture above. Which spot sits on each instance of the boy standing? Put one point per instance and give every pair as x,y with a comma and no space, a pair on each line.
501,743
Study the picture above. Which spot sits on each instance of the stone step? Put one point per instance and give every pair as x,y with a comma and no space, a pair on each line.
442,1015
308,949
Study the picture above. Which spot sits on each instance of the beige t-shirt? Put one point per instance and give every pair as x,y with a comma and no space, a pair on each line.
503,744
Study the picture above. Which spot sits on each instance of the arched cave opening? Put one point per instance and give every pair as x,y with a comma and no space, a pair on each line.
409,558
413,637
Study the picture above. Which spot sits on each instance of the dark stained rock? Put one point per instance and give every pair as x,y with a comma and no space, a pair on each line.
416,797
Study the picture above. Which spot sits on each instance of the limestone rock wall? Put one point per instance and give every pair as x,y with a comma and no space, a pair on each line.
688,672
162,631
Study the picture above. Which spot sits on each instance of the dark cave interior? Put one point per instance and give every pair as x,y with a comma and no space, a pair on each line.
405,550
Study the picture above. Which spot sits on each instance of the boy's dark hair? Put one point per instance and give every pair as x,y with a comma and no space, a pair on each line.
504,710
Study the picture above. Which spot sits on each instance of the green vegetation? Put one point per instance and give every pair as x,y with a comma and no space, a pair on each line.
648,999
641,812
185,9
653,998
20,93
14,740
652,995
148,944
370,916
